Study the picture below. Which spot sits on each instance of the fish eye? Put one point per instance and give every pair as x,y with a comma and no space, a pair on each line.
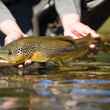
10,52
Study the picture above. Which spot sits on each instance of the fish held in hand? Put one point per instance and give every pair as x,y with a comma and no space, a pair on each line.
43,49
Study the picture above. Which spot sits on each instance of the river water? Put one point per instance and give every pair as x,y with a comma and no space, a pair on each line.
57,90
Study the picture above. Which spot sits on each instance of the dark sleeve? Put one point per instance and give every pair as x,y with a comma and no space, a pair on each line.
5,13
68,6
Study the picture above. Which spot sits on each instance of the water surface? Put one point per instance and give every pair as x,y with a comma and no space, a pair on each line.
58,90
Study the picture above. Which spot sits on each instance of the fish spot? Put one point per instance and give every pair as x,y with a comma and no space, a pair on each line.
27,50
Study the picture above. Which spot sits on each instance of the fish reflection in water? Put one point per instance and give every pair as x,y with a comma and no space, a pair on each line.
46,94
72,95
7,103
12,103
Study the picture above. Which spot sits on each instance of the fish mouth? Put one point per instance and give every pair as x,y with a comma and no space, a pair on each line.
4,63
3,59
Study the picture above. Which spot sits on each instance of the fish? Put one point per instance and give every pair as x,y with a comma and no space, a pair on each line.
44,49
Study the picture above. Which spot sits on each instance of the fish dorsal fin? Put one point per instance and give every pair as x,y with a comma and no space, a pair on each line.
66,38
86,40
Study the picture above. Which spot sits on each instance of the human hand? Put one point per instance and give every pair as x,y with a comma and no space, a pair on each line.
74,28
11,30
13,36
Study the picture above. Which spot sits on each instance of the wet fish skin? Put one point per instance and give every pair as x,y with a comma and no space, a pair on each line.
43,49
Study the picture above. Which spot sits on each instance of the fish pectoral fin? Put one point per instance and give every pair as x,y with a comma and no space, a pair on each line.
39,57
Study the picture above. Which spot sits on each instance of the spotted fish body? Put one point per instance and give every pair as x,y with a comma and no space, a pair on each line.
41,49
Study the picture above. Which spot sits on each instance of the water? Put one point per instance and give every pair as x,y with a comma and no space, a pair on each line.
67,90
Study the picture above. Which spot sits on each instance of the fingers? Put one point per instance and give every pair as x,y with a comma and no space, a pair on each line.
88,30
74,35
79,30
25,35
9,39
14,36
27,62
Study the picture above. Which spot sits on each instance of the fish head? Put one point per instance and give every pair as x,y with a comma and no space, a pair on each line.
10,56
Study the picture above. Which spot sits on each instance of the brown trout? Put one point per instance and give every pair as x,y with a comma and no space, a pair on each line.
43,49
